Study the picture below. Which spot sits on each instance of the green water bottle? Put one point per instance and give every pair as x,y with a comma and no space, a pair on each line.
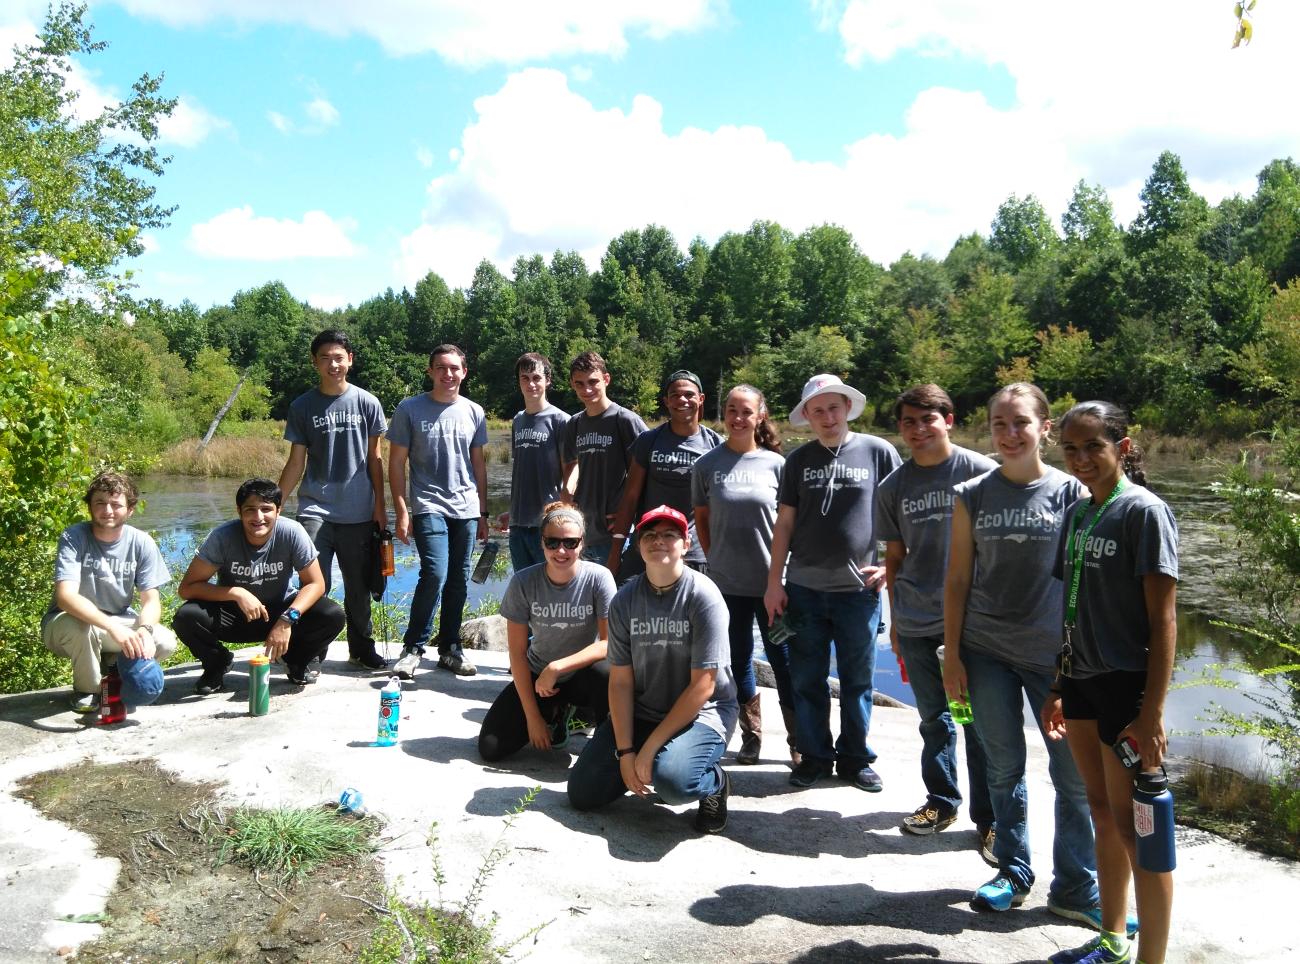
259,685
961,712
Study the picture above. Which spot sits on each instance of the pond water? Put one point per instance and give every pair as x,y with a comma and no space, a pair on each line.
181,510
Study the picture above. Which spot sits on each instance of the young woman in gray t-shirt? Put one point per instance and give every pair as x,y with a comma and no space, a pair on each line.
1119,560
1001,632
557,627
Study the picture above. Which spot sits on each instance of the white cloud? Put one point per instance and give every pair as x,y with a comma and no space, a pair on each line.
239,234
424,156
327,301
150,243
322,112
465,32
189,124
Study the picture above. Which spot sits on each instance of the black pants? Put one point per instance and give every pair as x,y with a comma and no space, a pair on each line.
505,728
203,626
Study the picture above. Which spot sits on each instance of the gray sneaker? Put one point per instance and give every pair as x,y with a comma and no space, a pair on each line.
455,661
406,666
85,702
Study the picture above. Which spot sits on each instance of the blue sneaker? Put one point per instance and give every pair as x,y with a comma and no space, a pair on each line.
1091,916
998,894
1096,951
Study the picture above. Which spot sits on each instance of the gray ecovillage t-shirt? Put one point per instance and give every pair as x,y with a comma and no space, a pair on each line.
1013,611
914,507
534,463
1136,536
600,445
562,619
664,637
336,429
739,491
439,436
828,549
108,573
667,459
266,570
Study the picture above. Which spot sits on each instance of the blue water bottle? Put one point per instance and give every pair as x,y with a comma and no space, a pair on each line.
1153,820
390,711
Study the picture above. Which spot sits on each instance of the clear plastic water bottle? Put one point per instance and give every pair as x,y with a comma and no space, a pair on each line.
390,712
1153,820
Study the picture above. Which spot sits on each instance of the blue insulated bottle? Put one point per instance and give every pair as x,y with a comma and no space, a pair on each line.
390,712
1153,820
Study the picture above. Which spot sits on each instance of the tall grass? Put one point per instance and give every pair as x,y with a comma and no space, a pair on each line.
226,457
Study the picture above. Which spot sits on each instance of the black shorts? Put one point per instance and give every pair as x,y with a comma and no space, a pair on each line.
1112,699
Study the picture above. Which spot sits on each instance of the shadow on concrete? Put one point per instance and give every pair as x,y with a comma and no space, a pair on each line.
938,912
442,749
853,952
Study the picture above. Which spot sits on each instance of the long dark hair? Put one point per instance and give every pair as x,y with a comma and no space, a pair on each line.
765,432
1114,425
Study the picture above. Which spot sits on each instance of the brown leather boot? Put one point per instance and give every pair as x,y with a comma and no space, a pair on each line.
751,731
787,714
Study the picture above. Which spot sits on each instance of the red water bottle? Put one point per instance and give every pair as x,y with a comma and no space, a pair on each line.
111,707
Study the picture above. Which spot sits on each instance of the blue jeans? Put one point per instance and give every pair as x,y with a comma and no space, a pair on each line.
997,691
525,547
939,734
851,620
685,769
446,548
744,610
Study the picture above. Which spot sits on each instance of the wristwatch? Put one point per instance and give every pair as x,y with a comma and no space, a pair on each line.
290,615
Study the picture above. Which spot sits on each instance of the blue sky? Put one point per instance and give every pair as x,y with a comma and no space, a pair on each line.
345,148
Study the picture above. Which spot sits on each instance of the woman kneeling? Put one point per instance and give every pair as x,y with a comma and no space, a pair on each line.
564,605
672,697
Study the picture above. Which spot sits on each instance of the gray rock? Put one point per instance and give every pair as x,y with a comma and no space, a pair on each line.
486,632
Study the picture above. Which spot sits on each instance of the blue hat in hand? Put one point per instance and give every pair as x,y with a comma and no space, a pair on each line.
142,679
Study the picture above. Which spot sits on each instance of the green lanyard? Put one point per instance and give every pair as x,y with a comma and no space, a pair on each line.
1075,544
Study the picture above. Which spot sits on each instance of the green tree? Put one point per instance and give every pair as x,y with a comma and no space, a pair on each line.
1089,219
44,466
1022,232
1269,367
1065,362
76,190
1170,208
781,372
988,330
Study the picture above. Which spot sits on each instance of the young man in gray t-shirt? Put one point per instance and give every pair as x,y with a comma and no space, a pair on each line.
335,430
99,568
832,584
442,434
597,445
254,559
913,518
536,438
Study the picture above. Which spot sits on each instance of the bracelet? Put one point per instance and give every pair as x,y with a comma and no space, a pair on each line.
623,751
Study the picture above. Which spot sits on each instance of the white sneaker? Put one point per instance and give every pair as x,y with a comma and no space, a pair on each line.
406,666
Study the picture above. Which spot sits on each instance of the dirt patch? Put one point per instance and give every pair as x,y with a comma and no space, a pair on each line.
173,903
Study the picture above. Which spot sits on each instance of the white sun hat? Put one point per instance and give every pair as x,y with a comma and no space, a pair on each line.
827,385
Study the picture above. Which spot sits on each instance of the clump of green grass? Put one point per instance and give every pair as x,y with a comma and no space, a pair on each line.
290,841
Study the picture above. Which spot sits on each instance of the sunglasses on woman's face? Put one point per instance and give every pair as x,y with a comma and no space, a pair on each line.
553,543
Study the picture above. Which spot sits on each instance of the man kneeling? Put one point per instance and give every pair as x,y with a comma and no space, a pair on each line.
672,697
99,566
253,558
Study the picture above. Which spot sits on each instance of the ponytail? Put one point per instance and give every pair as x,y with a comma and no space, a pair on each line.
1114,425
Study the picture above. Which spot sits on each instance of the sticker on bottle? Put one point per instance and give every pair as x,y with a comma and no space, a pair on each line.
1144,819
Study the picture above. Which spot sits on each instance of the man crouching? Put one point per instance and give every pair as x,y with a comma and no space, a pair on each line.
98,569
254,557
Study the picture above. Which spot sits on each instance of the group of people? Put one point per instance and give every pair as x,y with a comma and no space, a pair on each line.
643,561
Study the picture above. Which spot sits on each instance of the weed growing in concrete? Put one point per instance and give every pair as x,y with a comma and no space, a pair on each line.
438,934
290,841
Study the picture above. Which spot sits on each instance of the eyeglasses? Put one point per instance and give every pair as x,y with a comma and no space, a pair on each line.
553,543
660,535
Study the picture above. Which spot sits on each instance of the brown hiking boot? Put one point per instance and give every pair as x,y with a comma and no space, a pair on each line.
787,714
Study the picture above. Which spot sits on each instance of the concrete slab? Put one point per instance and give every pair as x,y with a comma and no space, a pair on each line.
822,874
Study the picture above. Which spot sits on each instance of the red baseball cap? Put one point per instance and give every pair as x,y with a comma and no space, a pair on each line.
665,512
